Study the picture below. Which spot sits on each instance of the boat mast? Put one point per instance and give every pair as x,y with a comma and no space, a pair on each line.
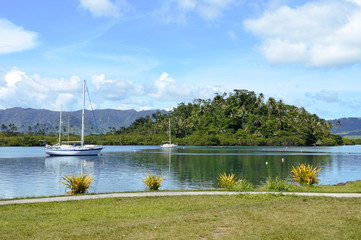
68,128
61,106
82,116
169,133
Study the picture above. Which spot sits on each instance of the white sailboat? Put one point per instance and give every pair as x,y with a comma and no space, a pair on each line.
169,144
60,149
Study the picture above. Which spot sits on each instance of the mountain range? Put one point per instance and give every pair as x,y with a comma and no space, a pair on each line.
40,120
350,127
35,120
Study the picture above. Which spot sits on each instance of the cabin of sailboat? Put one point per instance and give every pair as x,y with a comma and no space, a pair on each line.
61,149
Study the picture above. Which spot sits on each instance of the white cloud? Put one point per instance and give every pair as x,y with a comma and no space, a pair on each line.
325,33
18,89
115,89
166,88
105,8
14,38
177,10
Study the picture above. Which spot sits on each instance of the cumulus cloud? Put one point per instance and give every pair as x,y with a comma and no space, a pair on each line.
105,8
324,33
166,87
115,89
14,38
18,89
177,10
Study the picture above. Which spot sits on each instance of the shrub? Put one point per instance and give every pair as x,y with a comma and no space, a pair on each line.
227,181
153,181
230,182
77,184
276,184
243,185
305,174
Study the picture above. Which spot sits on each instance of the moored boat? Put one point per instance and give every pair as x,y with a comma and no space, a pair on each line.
61,149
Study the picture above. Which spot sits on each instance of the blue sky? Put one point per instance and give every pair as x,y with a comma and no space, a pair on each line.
156,54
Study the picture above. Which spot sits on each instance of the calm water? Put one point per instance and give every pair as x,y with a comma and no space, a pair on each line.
27,171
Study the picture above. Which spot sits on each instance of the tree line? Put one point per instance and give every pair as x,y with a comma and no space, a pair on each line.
239,118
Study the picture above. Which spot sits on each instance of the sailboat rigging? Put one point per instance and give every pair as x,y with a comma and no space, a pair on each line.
169,143
60,149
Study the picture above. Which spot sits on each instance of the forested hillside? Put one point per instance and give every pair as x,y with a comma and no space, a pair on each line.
238,118
41,121
347,127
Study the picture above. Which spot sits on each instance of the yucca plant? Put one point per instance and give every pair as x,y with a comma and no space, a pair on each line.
227,181
153,181
305,174
77,184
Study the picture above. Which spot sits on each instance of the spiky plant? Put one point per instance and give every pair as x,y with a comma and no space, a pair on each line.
77,184
305,174
227,181
153,181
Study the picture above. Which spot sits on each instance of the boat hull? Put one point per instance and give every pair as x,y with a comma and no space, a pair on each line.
74,152
169,145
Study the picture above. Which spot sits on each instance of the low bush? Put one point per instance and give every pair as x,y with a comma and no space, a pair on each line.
243,185
227,181
276,184
153,181
305,174
230,182
77,184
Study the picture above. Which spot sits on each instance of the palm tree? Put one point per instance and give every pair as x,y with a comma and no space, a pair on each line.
338,123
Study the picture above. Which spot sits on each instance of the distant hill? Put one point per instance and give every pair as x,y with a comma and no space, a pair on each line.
35,120
350,127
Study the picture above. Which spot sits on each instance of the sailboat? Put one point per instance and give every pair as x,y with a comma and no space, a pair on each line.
60,149
169,143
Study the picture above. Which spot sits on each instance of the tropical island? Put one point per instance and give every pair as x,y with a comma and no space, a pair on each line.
239,118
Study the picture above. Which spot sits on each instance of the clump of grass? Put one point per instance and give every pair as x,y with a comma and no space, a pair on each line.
77,184
230,182
153,181
305,174
276,184
244,185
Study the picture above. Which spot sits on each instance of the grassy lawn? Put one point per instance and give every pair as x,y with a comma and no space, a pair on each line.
186,217
351,187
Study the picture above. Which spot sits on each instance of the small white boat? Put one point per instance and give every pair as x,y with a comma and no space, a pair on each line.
60,149
169,144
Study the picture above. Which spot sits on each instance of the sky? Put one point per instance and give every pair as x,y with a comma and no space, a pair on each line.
156,54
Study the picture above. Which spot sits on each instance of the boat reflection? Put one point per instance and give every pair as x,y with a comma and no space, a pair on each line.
167,152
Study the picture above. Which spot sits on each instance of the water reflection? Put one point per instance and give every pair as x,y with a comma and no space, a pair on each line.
121,168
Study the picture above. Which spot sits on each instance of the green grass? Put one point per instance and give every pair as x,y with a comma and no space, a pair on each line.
352,187
186,217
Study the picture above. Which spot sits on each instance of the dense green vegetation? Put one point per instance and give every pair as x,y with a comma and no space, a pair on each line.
240,118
